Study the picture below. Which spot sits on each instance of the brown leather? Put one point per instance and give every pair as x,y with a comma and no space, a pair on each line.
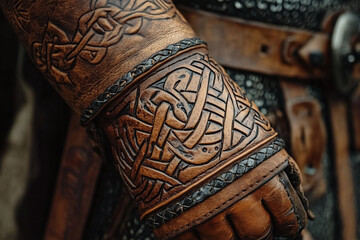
225,198
355,118
307,136
79,169
178,128
179,125
272,210
260,47
184,124
82,47
340,148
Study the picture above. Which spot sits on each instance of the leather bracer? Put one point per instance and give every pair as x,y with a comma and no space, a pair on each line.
186,140
181,131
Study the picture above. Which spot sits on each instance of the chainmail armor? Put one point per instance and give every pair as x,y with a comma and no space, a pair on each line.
305,14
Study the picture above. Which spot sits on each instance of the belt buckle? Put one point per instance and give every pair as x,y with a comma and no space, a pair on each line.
345,47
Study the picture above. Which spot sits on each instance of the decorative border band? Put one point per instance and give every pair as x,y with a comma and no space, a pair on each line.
138,70
215,185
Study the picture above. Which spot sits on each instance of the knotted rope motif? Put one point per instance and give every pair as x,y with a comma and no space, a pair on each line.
169,132
103,26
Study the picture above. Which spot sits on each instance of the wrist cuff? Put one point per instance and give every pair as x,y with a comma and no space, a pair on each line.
137,72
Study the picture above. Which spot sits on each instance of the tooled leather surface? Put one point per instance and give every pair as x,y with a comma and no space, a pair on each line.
184,122
215,185
324,225
137,71
82,47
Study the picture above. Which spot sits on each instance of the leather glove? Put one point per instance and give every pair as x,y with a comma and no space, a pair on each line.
198,157
273,209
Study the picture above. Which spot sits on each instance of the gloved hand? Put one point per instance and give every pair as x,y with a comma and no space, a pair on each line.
192,149
273,209
197,155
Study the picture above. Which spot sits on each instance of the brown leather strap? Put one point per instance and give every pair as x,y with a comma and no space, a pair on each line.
262,48
307,136
355,114
344,180
79,169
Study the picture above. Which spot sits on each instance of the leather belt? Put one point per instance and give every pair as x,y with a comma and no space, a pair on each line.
262,48
340,147
78,174
307,136
355,115
283,51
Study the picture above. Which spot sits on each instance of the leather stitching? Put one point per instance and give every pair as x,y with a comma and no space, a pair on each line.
215,185
205,216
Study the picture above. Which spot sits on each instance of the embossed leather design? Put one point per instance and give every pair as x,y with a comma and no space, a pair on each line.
138,71
82,47
178,127
215,185
174,124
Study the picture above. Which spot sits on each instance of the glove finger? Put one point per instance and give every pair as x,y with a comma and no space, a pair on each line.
250,219
216,228
287,211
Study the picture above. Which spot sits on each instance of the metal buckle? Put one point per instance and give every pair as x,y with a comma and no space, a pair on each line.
345,47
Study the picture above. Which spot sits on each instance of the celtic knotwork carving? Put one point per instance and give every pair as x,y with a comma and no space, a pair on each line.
107,22
19,16
168,132
140,69
215,185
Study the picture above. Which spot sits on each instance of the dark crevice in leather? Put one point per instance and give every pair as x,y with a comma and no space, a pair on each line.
196,234
286,183
232,225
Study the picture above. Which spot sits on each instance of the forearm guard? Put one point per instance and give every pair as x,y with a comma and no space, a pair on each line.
184,136
181,125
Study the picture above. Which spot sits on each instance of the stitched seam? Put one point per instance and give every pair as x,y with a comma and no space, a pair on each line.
219,164
211,188
147,65
229,200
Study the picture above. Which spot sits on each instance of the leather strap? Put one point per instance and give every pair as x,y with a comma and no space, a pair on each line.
139,71
307,136
355,114
79,170
262,48
216,185
342,165
225,198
